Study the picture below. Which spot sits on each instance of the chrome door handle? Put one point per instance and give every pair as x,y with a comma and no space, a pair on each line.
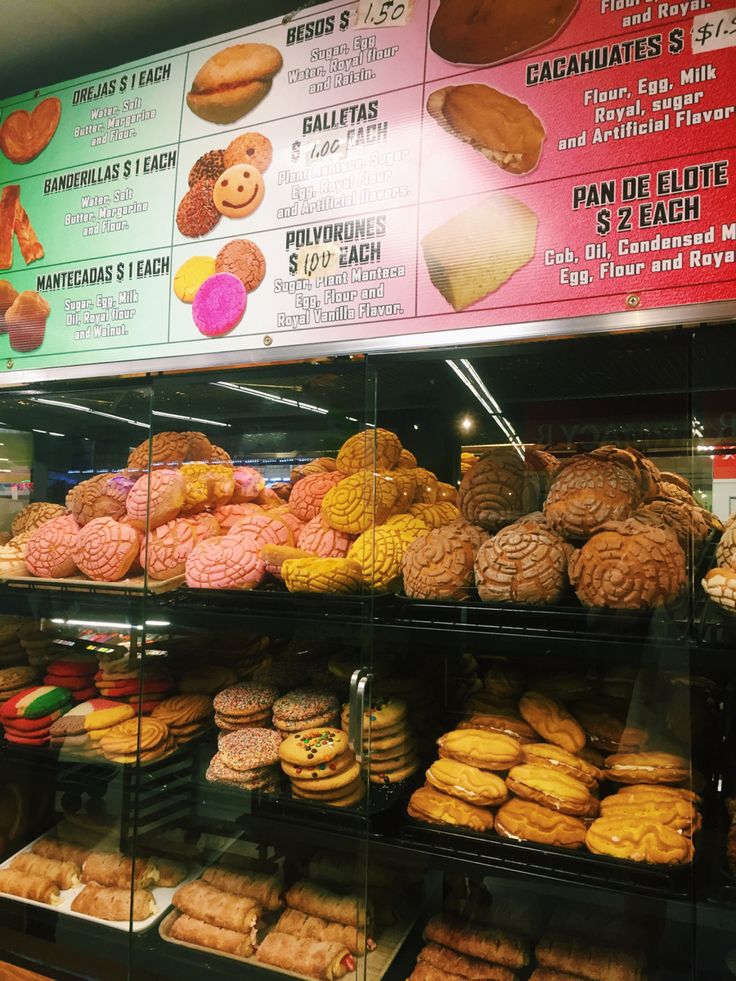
354,679
363,688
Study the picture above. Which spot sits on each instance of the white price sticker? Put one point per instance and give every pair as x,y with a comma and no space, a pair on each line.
313,261
384,13
713,31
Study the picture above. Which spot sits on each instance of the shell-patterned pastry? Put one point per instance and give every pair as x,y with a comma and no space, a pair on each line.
427,486
406,486
469,533
153,502
316,575
407,460
230,514
503,486
629,565
289,518
227,562
446,492
359,501
317,538
268,499
407,526
265,528
106,549
589,491
436,515
102,496
322,464
207,486
688,521
639,841
165,550
34,515
12,560
726,551
49,549
379,552
438,566
524,563
648,473
720,586
249,483
166,450
306,498
372,449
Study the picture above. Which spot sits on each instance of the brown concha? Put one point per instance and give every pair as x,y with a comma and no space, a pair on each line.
648,473
504,485
525,563
34,515
169,449
675,491
688,521
102,496
629,565
438,566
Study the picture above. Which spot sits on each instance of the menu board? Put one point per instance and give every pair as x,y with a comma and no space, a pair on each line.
370,169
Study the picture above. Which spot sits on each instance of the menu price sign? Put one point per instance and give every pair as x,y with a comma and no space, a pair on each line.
366,169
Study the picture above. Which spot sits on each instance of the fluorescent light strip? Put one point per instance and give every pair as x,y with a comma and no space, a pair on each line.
111,626
271,398
93,412
173,415
503,424
480,383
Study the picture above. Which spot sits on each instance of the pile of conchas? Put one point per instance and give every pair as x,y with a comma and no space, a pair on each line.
720,583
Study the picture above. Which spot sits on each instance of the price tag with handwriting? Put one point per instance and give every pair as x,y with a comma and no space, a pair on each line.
713,31
314,261
384,13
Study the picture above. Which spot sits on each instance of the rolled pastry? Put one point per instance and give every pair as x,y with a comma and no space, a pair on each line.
434,958
62,851
265,888
107,903
316,958
316,900
497,946
116,870
64,874
204,902
315,928
29,886
170,873
193,931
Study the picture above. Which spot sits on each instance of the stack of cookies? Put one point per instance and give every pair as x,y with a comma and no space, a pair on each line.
247,759
322,768
143,690
305,708
123,743
14,680
185,715
75,672
244,706
392,743
206,679
11,650
27,716
77,733
38,644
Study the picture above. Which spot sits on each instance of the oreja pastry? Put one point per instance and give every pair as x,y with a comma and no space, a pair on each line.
546,754
500,127
647,768
497,946
639,841
552,721
24,135
434,807
233,81
467,783
524,820
546,786
481,748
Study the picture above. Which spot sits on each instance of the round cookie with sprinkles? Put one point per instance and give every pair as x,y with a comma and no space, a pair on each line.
244,700
304,708
322,771
313,746
250,748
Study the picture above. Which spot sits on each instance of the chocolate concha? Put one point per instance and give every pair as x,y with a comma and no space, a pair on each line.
677,479
648,473
525,563
502,487
438,566
34,515
726,551
590,490
629,565
675,491
102,496
686,520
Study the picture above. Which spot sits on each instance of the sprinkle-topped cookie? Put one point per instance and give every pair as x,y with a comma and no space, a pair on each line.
250,748
313,746
245,699
304,703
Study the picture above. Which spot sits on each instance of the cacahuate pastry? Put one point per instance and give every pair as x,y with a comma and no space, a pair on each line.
650,768
435,807
486,32
578,956
556,790
467,783
233,81
497,946
503,487
546,754
524,562
195,931
481,748
552,721
319,959
474,253
639,840
500,127
523,820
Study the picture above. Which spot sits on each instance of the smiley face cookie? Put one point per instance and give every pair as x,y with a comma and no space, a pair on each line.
239,191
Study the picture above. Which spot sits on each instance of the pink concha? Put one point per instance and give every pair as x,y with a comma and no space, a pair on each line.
106,549
265,529
306,497
319,539
249,483
167,547
268,499
228,562
167,495
284,514
49,549
230,514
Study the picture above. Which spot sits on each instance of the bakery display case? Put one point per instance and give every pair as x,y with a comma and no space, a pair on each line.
384,666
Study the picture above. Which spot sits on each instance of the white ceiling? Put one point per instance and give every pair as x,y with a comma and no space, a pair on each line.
48,41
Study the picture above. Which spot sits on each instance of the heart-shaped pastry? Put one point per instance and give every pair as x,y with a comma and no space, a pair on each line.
24,135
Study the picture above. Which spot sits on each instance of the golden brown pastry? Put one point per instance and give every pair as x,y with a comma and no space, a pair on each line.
204,902
29,886
446,962
525,562
516,728
319,959
438,566
106,903
583,958
654,793
497,946
523,820
233,81
720,586
606,730
374,449
102,496
552,721
688,521
546,754
264,887
316,900
194,931
34,515
113,869
546,786
467,783
428,804
647,768
61,851
680,815
65,875
502,486
639,841
483,748
299,924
